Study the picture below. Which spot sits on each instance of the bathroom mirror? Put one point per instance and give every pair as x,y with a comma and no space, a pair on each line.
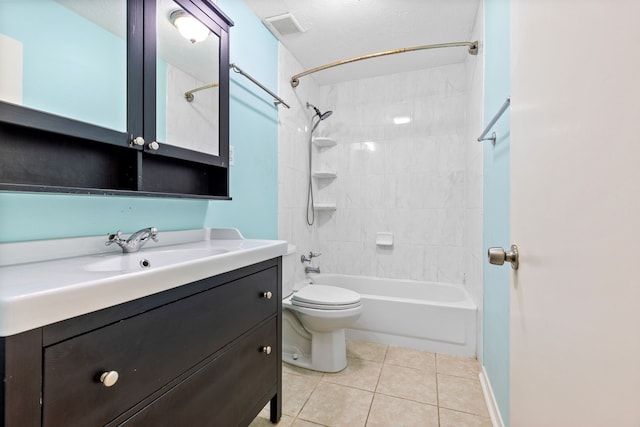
187,81
66,57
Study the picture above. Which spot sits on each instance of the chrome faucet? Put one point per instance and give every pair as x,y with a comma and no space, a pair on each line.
310,268
135,241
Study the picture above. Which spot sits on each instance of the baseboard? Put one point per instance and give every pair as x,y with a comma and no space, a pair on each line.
490,399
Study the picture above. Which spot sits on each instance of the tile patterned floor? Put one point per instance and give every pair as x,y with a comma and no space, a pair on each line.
384,386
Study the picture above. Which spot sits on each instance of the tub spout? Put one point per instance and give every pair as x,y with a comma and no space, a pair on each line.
310,269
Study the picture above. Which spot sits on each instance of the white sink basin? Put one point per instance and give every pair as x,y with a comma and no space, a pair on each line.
36,290
151,259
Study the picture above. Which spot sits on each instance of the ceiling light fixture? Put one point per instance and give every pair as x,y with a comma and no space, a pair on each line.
190,28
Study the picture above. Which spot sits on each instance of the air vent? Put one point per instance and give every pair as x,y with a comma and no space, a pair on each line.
282,25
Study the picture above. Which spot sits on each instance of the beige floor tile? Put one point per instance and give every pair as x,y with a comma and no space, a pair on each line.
302,423
291,369
296,390
411,358
263,421
335,405
457,365
359,373
408,383
389,411
366,350
449,418
461,394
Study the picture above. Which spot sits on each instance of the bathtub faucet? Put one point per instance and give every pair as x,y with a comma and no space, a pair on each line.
308,259
135,241
310,268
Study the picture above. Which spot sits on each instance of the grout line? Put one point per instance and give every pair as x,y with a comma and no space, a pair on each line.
437,391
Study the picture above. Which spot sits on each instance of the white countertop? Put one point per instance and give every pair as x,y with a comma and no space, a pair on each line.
86,276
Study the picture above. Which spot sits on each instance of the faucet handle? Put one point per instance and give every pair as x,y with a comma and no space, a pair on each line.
305,258
154,233
113,238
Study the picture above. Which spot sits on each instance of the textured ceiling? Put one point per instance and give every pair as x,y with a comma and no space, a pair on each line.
342,29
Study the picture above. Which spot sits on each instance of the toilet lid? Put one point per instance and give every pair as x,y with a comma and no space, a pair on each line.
326,297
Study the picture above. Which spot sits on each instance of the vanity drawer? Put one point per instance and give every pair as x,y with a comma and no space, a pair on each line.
149,350
223,391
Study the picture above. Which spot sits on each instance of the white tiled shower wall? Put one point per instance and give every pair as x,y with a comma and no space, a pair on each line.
422,180
293,157
474,252
408,179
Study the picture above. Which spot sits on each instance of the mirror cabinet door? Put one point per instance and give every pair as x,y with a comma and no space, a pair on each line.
67,58
187,80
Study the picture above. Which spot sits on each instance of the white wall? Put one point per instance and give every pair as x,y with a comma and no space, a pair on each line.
10,70
190,124
292,156
408,179
474,252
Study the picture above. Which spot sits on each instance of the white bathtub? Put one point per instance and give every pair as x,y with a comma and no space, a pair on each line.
428,316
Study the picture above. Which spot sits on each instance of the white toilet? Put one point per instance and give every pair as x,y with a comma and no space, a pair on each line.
313,321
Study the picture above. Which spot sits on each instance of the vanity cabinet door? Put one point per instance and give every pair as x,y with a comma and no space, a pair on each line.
149,350
224,391
87,89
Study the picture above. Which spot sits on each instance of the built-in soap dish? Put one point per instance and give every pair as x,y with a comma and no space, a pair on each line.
324,174
384,238
324,141
325,207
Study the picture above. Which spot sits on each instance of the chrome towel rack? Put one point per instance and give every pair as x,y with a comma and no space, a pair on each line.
483,135
276,99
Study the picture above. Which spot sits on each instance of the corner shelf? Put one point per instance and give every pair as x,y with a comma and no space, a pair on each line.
323,141
325,174
327,207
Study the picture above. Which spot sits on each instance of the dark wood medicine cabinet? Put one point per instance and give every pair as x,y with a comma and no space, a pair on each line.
59,149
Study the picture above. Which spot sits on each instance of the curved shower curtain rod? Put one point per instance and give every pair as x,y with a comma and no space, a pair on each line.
473,50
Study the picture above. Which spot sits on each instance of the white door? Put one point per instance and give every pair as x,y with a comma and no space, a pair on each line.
575,212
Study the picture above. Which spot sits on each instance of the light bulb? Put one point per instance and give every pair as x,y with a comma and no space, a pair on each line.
190,28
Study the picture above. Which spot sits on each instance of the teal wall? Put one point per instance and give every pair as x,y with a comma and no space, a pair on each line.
54,80
254,130
496,204
34,216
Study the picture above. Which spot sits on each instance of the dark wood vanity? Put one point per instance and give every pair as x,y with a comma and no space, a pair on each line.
203,354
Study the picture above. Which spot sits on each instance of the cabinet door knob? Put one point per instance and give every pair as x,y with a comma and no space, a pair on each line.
154,145
266,349
267,295
138,140
109,378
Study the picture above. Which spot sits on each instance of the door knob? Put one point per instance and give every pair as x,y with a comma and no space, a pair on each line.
498,256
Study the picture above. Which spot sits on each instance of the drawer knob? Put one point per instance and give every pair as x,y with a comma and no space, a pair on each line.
267,295
109,379
266,349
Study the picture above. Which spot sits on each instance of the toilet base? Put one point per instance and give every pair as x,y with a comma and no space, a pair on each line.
328,353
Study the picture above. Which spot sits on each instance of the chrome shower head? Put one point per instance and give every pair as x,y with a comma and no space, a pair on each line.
318,113
325,114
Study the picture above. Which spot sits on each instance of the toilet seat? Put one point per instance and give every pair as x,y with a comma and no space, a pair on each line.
323,297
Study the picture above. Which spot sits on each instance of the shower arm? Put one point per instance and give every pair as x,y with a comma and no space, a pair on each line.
473,50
